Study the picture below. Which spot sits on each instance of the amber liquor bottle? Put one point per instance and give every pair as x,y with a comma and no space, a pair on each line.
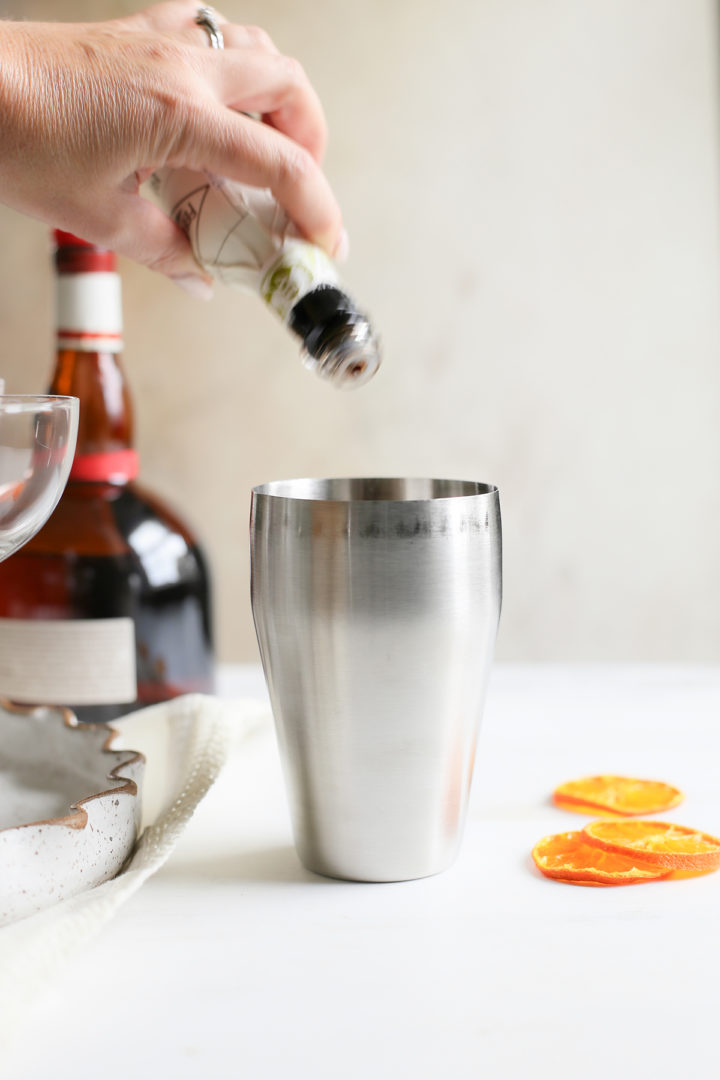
107,608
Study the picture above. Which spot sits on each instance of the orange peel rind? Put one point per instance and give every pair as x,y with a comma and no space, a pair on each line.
586,809
655,843
625,795
570,858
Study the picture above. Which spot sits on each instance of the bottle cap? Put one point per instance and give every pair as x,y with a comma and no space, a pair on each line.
349,357
339,343
76,256
66,239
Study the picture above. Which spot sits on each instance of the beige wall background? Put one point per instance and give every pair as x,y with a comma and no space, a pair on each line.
531,192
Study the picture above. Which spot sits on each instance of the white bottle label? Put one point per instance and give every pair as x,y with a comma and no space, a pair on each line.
241,236
89,312
296,270
68,661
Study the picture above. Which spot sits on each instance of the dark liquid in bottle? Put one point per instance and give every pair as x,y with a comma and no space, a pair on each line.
115,551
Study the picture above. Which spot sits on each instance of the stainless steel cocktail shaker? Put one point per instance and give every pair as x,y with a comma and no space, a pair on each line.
376,604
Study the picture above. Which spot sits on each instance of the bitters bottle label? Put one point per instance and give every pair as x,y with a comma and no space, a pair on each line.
295,271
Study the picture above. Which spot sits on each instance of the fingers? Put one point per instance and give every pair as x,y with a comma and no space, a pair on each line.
148,236
165,17
178,16
243,149
277,88
246,37
249,74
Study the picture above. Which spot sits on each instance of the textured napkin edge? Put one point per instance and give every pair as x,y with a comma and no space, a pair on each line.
34,949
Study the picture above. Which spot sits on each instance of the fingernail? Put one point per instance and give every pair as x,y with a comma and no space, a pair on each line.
195,285
342,249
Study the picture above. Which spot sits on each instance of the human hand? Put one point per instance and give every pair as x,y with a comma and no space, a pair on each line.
89,110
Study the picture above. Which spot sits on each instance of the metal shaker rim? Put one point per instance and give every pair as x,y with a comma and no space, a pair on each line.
362,489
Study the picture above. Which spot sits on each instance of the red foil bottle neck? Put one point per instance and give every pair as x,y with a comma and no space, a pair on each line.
76,256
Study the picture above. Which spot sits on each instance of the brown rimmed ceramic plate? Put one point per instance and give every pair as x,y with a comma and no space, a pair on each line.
69,807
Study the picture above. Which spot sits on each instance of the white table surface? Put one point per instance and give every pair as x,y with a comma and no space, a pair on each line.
233,961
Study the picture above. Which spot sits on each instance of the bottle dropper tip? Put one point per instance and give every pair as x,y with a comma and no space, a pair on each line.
350,359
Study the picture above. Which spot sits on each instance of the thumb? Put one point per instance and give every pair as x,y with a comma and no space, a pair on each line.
144,233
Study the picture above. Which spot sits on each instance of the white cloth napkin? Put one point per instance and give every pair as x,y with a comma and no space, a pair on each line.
186,743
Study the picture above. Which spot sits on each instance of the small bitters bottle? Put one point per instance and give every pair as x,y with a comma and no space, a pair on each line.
242,237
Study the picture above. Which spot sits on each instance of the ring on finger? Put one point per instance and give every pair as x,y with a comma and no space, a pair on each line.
207,18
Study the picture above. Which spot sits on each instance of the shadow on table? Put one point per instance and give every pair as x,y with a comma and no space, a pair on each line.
275,864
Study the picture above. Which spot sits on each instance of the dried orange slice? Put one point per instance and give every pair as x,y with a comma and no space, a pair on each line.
658,843
570,858
586,809
618,794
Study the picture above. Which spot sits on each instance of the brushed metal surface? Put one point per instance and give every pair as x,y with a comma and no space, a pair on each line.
376,604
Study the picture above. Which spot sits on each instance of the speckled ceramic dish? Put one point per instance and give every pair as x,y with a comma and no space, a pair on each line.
69,807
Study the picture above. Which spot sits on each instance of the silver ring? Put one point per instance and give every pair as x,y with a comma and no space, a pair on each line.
207,18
